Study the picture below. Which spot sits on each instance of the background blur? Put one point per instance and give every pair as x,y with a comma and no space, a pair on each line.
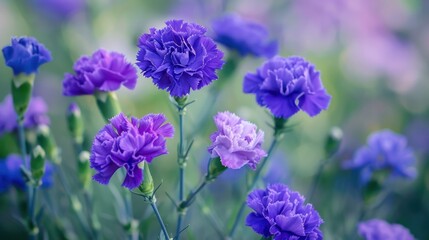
373,56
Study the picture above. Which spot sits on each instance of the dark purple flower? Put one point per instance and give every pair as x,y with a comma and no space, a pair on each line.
280,213
4,177
377,229
36,115
385,150
25,55
236,142
179,57
247,38
287,85
103,71
127,143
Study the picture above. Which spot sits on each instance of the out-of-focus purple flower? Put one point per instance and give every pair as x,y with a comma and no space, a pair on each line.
385,151
14,162
179,57
247,38
277,169
25,55
36,115
280,213
127,143
287,85
59,8
236,142
4,177
377,229
103,71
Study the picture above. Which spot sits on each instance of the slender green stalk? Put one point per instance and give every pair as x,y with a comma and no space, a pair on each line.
152,201
181,160
34,229
316,179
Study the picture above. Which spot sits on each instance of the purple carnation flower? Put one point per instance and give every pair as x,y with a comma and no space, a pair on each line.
287,85
25,55
126,143
280,213
103,71
385,150
36,115
236,142
179,57
247,38
377,229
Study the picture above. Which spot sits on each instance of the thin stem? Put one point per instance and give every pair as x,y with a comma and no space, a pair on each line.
182,163
22,145
316,179
152,201
34,230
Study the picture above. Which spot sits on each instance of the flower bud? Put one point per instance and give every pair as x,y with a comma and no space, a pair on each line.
47,142
84,171
215,169
75,123
147,187
333,141
108,104
22,86
37,163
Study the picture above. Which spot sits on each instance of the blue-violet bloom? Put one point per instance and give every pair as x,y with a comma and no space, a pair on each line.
179,57
385,150
4,177
280,213
236,142
246,37
25,55
103,71
287,85
377,229
126,143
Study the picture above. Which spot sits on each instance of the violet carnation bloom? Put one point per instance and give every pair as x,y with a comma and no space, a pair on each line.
25,55
377,229
127,143
287,85
236,142
179,57
247,38
36,115
103,71
385,150
280,213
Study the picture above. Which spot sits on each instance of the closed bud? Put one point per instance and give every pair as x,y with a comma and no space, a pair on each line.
47,142
75,122
84,170
147,187
37,163
333,141
215,169
22,86
108,104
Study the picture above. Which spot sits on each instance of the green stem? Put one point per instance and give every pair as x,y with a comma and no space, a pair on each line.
316,179
152,201
181,160
33,224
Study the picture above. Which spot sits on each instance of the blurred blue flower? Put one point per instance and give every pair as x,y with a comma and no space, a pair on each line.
61,9
246,37
179,57
277,169
103,71
25,55
287,85
36,115
377,229
4,177
127,143
385,151
280,213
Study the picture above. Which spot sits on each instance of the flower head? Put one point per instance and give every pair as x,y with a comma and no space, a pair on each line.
236,142
25,55
36,115
287,85
280,213
103,71
247,38
179,57
126,143
377,229
385,150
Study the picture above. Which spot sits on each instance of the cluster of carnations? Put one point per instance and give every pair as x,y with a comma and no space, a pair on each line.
181,58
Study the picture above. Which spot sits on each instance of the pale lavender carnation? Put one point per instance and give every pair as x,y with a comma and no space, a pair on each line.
377,229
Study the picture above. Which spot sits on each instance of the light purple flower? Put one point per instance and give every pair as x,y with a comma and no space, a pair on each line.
377,229
126,143
287,85
236,142
61,9
103,71
179,57
280,213
385,150
36,115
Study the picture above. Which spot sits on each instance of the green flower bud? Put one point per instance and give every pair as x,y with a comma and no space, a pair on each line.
333,141
37,163
147,186
84,170
108,104
22,86
75,123
47,142
215,169
181,101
